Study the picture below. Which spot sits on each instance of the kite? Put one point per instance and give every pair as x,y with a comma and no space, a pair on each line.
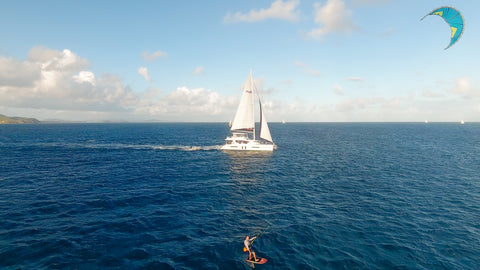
454,19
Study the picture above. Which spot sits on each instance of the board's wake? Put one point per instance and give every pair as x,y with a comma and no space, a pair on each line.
258,261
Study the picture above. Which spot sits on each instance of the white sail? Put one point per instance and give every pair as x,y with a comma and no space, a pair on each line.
243,120
264,130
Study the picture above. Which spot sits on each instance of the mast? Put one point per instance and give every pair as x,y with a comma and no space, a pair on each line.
253,103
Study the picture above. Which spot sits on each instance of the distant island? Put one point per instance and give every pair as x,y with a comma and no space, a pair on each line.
17,120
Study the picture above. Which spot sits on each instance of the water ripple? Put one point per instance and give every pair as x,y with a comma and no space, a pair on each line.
338,196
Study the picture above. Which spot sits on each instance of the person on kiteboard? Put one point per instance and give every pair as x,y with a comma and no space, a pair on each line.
248,247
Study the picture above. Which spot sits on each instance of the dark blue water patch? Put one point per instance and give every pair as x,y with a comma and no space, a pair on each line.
161,196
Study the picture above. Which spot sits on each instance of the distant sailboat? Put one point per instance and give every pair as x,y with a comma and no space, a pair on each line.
243,125
462,122
283,122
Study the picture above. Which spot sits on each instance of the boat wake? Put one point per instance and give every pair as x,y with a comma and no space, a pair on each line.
119,146
187,148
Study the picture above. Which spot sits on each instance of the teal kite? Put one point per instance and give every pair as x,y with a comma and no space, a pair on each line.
454,18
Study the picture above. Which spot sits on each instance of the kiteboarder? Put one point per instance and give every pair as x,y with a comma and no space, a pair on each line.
248,247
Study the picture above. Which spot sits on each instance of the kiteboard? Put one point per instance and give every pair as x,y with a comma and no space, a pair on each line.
261,261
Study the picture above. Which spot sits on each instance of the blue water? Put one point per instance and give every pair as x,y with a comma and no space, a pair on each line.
162,196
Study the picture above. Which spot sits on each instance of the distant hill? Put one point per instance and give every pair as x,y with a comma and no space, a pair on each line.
17,120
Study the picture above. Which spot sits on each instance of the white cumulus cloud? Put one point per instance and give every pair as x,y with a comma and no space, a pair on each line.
277,10
144,72
153,56
198,104
355,79
57,80
462,86
198,71
369,2
465,88
332,17
15,73
57,84
338,90
430,94
307,69
85,76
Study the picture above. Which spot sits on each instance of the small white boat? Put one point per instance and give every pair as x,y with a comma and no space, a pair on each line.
243,125
462,122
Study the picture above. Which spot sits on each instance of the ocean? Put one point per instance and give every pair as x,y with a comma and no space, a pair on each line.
163,196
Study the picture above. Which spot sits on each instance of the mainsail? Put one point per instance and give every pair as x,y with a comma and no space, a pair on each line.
264,130
244,120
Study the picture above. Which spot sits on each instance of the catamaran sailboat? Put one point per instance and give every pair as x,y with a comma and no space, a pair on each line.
243,125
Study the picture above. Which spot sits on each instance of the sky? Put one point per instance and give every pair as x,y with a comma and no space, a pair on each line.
186,61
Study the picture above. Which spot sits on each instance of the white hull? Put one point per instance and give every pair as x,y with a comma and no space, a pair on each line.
246,145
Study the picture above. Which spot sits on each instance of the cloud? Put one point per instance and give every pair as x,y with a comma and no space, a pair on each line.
111,92
352,104
338,90
277,10
198,71
373,109
462,86
153,56
387,33
55,60
374,104
333,17
197,104
57,84
85,77
430,94
369,2
15,73
355,79
57,80
307,69
144,72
